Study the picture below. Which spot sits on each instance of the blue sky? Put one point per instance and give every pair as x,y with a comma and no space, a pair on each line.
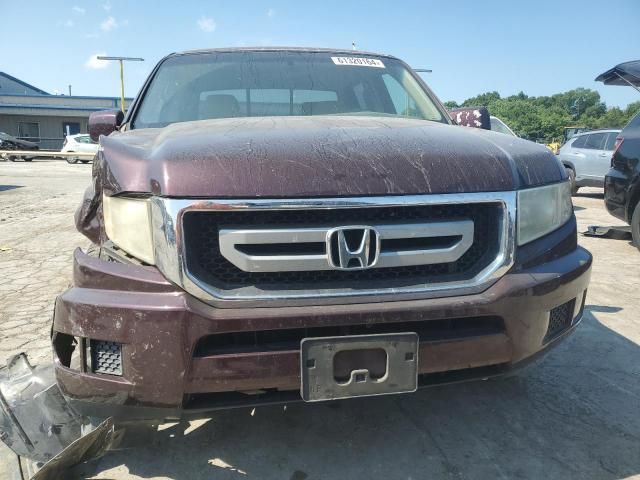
540,47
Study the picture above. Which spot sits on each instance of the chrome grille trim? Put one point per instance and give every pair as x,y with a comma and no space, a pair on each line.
167,216
231,238
454,228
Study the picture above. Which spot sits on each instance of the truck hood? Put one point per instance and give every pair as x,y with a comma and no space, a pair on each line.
318,156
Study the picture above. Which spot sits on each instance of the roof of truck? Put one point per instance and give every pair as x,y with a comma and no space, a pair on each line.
283,49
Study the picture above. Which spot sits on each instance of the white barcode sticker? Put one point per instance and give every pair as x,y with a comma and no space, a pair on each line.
358,61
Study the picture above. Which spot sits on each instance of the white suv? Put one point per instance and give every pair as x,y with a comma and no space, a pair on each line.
587,157
80,143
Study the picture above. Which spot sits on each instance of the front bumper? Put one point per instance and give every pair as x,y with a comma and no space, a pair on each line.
165,374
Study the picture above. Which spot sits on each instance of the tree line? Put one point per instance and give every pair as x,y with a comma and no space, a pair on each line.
542,119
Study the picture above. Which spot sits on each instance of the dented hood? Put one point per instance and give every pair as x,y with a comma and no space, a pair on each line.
319,156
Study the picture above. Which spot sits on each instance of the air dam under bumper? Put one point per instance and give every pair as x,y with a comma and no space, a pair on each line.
172,365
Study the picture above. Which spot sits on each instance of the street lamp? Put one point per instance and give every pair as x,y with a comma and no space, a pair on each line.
122,60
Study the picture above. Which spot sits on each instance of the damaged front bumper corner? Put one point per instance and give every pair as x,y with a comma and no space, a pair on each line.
41,428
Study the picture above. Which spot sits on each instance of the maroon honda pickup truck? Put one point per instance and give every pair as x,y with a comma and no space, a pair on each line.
277,224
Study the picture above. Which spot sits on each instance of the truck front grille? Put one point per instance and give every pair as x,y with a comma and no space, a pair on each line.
205,262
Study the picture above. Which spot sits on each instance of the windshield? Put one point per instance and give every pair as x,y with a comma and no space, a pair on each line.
257,84
498,125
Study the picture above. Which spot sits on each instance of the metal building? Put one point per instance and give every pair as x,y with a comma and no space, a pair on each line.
30,113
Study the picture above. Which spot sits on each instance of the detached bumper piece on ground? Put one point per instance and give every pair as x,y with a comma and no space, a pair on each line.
616,231
38,424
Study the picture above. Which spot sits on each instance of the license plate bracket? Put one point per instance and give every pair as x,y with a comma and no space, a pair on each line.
322,369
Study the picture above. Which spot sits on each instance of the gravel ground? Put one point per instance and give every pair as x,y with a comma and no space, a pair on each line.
574,415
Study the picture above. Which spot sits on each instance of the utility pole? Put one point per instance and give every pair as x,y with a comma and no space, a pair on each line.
69,90
122,60
576,106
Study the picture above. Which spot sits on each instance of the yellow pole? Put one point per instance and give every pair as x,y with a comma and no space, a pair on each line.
122,86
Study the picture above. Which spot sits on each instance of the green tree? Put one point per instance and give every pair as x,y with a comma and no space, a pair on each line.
632,110
483,100
612,118
543,118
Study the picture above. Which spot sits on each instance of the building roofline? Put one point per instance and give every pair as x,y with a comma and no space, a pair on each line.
342,51
53,107
24,84
81,97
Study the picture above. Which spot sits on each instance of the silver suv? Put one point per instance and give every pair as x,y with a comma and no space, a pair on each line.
587,157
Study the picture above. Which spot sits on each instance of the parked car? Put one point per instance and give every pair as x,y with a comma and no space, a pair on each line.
587,157
9,142
622,182
298,224
570,132
81,143
499,126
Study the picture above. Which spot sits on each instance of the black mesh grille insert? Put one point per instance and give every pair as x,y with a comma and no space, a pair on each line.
205,262
560,319
289,339
106,357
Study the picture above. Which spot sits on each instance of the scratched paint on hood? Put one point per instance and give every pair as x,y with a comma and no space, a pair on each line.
319,156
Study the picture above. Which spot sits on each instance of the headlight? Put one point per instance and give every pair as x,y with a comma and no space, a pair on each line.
127,222
543,209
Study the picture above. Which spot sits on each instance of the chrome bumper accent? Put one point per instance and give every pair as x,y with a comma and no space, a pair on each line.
167,216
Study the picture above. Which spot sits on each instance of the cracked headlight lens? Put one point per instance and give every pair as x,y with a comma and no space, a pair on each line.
541,210
127,222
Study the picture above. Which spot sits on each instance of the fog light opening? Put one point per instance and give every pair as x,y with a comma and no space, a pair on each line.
560,320
68,350
106,357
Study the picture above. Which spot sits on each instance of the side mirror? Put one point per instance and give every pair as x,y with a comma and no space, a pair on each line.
104,122
477,117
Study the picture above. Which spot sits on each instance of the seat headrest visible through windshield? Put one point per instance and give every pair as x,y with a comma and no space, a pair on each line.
219,106
320,108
